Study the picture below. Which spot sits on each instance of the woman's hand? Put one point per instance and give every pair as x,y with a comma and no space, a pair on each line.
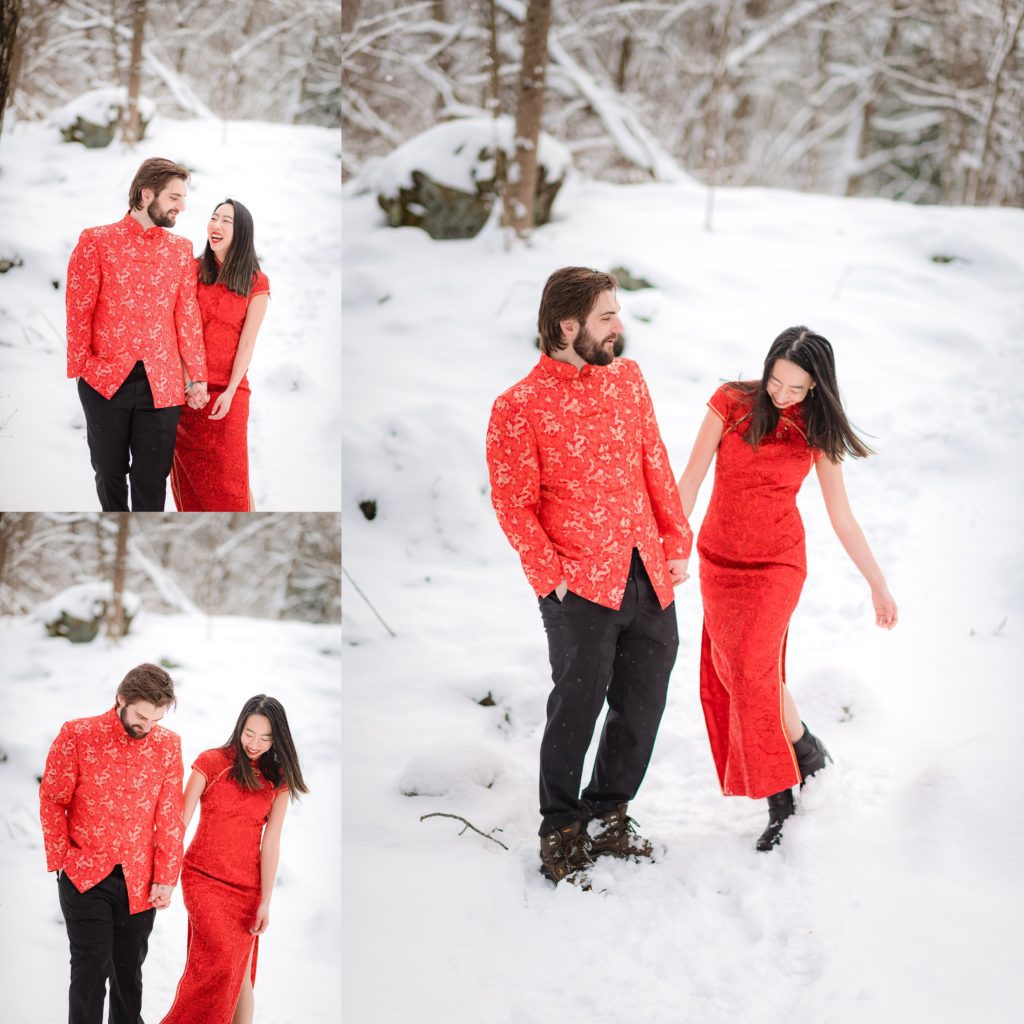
262,920
222,406
885,607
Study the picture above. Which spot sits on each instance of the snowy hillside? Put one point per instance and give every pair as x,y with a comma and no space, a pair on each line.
288,178
896,894
217,663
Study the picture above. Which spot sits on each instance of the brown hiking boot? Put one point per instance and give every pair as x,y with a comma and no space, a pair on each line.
566,855
615,832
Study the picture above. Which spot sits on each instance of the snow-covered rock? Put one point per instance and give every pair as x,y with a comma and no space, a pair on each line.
78,612
93,117
445,179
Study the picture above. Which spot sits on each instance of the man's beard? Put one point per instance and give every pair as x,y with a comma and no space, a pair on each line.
592,351
130,729
161,218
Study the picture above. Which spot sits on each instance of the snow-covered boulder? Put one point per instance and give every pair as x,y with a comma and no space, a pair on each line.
93,117
78,612
444,180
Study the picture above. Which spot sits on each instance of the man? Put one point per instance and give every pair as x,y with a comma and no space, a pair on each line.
133,331
582,487
111,809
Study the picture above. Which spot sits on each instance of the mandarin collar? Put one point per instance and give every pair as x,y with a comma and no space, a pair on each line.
135,228
566,371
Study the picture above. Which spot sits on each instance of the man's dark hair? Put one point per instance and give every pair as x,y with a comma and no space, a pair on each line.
570,294
154,174
149,683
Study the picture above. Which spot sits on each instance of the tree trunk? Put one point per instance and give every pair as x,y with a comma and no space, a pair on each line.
10,13
349,16
115,614
522,190
132,129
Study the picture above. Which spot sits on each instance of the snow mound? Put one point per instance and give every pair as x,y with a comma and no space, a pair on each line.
443,770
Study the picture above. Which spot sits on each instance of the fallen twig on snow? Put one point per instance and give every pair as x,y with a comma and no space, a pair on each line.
468,824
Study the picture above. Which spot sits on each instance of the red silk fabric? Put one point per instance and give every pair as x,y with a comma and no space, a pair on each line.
580,476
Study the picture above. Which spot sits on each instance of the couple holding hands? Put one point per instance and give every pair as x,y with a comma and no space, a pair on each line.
160,343
582,487
114,819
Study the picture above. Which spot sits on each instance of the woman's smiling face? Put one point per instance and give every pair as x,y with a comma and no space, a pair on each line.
788,384
257,736
221,229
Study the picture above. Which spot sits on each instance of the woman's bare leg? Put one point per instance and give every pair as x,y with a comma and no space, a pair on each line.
252,503
794,727
244,1006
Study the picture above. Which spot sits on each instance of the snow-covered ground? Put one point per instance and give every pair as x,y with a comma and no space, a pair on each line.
897,892
288,178
217,663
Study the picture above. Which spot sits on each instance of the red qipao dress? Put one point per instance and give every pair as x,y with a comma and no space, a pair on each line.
211,457
220,883
752,569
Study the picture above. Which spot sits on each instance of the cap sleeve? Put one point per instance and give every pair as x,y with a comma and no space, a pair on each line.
210,763
723,404
261,286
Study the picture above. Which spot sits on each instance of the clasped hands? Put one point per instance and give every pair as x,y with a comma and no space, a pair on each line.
676,570
196,395
160,895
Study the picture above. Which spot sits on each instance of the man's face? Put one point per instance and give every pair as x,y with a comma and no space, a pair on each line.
139,718
595,342
165,207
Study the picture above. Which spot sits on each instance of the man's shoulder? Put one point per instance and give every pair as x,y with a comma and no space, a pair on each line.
518,396
162,736
76,727
102,231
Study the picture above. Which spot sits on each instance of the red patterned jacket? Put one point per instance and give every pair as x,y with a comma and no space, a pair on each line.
107,799
131,295
580,477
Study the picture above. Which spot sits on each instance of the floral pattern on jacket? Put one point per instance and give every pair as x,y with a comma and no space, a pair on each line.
131,295
108,799
580,476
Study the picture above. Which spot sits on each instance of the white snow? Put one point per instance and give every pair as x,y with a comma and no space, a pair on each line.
84,601
100,106
288,177
896,894
450,153
217,664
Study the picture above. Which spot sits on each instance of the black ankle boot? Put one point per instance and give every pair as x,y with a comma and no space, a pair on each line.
811,754
780,807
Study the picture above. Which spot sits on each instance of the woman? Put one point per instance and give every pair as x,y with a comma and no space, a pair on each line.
228,874
211,454
766,435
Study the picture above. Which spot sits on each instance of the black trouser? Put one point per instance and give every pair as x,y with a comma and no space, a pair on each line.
597,652
124,426
106,942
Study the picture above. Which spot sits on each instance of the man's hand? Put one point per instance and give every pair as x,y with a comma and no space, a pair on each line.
197,396
677,570
262,922
160,895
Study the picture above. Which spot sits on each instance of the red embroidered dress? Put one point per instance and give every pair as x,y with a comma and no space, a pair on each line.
108,799
211,457
580,477
752,569
131,295
221,887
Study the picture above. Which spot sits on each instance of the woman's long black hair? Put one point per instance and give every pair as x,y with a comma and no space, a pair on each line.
828,429
238,271
280,763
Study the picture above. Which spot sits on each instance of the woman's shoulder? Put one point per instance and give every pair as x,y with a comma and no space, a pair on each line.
213,762
733,399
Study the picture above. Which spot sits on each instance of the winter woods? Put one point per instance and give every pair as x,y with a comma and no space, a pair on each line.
272,60
902,99
266,565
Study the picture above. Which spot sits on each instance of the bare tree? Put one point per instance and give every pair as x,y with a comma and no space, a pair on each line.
522,183
115,610
131,126
10,14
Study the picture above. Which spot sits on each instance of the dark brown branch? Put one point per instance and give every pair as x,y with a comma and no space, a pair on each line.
468,824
